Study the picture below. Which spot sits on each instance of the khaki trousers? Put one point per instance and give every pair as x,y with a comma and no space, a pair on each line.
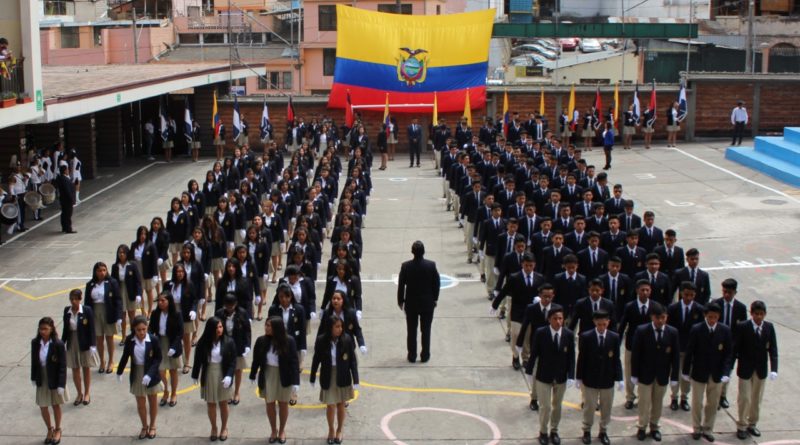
487,267
590,398
534,395
703,417
630,392
683,386
651,401
515,327
468,226
456,200
437,157
446,191
751,391
550,410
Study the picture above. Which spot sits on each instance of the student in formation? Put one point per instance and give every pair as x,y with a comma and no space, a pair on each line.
144,352
79,333
167,327
214,365
103,297
49,376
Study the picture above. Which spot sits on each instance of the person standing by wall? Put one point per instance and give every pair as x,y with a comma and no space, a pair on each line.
414,141
739,119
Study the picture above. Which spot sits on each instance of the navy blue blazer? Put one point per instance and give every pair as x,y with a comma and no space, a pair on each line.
85,330
296,328
203,354
149,259
56,367
242,329
753,351
111,299
652,361
556,364
346,363
709,355
288,363
174,330
152,359
599,367
131,281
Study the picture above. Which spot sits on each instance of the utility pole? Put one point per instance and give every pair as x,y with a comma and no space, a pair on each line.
748,50
135,40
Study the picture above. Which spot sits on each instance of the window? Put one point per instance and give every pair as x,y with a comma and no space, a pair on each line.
287,80
405,8
276,81
438,9
328,61
216,38
70,37
327,17
97,36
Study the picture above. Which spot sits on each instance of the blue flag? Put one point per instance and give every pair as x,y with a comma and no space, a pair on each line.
265,125
187,123
683,109
237,118
162,114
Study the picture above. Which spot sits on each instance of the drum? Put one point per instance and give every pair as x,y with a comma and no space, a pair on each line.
8,213
48,192
34,200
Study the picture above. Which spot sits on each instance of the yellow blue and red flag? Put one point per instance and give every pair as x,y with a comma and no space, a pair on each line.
412,57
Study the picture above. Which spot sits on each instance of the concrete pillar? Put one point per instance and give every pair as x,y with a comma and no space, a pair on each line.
755,111
79,134
110,140
765,59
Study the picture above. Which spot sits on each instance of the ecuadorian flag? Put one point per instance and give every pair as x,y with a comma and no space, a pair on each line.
411,57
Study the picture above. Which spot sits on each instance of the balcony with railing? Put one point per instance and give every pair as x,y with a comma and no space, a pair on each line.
12,82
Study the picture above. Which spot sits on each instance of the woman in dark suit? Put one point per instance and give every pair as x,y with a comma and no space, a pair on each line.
275,363
237,327
338,379
211,193
259,253
167,326
49,376
239,217
233,282
274,223
145,255
177,228
214,365
251,275
81,344
202,254
144,351
130,285
160,238
182,292
294,319
103,297
197,197
349,284
340,308
224,219
342,253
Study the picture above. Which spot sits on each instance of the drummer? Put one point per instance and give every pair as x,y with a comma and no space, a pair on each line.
75,173
37,178
19,188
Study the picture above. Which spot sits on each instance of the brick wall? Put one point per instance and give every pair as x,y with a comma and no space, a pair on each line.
714,104
778,107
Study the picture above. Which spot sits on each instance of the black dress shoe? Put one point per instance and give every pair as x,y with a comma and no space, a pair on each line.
674,405
502,316
685,405
708,436
424,358
742,434
587,437
656,435
629,404
534,405
508,338
723,403
543,439
641,434
696,435
604,438
555,439
412,358
483,278
754,431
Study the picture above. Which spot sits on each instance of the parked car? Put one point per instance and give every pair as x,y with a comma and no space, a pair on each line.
590,45
529,48
569,43
528,60
547,43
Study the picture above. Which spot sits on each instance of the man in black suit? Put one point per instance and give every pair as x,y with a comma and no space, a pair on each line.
520,287
585,207
571,193
511,262
553,347
530,224
634,315
586,307
618,286
577,239
565,222
659,282
598,222
535,317
755,346
66,197
613,238
654,364
629,220
542,239
683,315
708,362
671,256
417,295
598,368
517,208
553,257
488,233
694,274
414,141
570,286
616,204
593,260
650,236
471,203
733,312
632,256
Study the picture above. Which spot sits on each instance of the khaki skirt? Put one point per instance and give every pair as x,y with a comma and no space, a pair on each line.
241,363
276,248
673,127
175,248
167,362
628,130
335,394
148,284
648,130
77,358
188,327
218,141
274,392
196,145
392,139
168,144
139,390
101,326
217,264
49,397
211,390
166,265
588,133
566,133
127,305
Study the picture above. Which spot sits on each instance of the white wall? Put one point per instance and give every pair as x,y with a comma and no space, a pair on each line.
676,9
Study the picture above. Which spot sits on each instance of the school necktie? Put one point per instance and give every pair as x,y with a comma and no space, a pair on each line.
686,314
644,311
630,223
555,340
658,335
557,252
691,275
758,331
519,258
528,280
728,314
596,306
653,280
578,238
594,258
510,243
602,341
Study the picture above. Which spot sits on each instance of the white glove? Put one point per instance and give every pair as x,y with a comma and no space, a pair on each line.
519,349
570,383
358,315
496,271
773,376
201,301
725,379
474,240
536,300
258,300
303,353
119,378
146,380
253,382
160,262
685,377
495,292
634,381
171,352
492,311
195,382
205,277
313,385
138,299
313,315
578,384
673,383
192,315
363,349
620,386
265,277
119,326
481,255
60,391
93,349
226,382
355,387
246,351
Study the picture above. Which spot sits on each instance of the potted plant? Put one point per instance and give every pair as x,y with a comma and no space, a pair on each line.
8,99
24,98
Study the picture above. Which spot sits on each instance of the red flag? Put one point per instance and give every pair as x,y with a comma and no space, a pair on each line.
653,107
290,112
348,112
598,104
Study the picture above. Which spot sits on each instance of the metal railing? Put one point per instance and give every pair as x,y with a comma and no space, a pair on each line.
12,79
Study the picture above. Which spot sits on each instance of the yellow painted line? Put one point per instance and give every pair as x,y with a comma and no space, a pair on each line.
33,297
20,293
